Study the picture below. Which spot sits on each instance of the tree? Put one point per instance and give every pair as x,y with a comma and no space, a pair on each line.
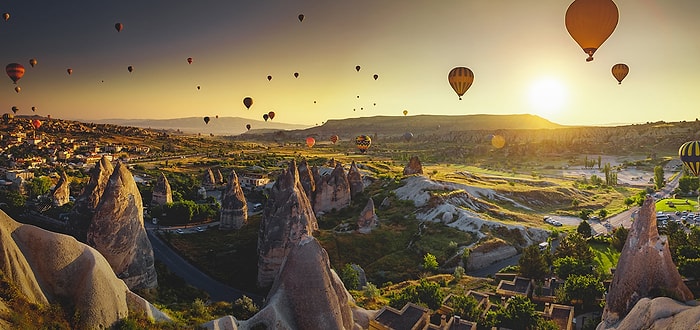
582,289
532,263
350,277
14,202
574,245
425,294
458,273
244,308
430,262
619,237
370,291
659,177
686,184
584,228
38,186
564,267
520,313
602,213
465,306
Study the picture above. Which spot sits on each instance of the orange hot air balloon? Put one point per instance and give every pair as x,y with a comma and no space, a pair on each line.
334,138
271,114
15,71
119,27
590,23
405,112
206,120
376,76
310,142
296,74
460,78
36,123
17,89
189,60
32,62
266,116
301,17
357,68
248,102
130,68
6,16
70,71
620,71
269,78
247,126
363,142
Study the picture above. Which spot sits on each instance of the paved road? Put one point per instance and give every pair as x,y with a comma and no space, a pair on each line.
494,268
193,276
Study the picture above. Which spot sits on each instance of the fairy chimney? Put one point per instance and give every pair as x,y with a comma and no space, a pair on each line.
234,208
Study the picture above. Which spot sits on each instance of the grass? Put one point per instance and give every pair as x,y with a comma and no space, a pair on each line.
605,257
676,204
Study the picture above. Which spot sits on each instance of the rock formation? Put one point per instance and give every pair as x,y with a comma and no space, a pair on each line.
355,180
117,231
85,205
413,167
634,279
162,194
218,177
48,267
307,180
234,208
61,193
287,217
386,203
660,313
208,179
332,191
368,219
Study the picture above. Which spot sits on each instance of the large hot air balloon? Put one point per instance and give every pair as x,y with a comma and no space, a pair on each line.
363,142
690,155
32,62
119,27
334,138
130,68
266,116
271,114
189,60
17,89
248,101
206,120
310,142
301,17
296,74
247,126
590,23
15,71
70,71
620,71
460,79
6,16
269,78
405,112
36,123
407,136
7,116
376,76
357,68
15,109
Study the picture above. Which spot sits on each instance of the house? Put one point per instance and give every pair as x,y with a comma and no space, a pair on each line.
562,315
519,286
410,317
253,180
546,292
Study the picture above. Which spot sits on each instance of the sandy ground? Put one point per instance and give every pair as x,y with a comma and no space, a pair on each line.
629,176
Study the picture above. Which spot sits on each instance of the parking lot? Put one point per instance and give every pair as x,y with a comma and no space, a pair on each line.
681,217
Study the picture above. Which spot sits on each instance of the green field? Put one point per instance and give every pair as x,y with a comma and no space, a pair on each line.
677,204
606,257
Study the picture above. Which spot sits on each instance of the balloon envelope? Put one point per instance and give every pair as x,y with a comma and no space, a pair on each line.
119,27
206,120
17,89
70,71
15,109
6,16
296,74
189,60
15,71
590,23
32,62
363,142
460,78
689,153
34,109
269,78
36,123
405,112
265,116
357,68
247,126
334,139
407,136
130,68
271,114
310,142
620,71
301,17
248,102
375,76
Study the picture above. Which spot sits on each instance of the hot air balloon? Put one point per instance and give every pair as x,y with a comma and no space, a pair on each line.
189,60
33,109
689,153
6,16
199,87
460,79
269,78
130,68
498,141
301,17
36,123
48,116
266,116
363,142
310,142
7,116
119,27
407,136
248,101
32,62
17,89
70,71
590,23
296,74
271,114
375,76
247,126
405,112
620,71
357,68
15,109
15,71
334,139
206,120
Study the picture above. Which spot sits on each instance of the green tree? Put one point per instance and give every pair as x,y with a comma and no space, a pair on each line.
425,294
430,262
244,308
564,267
465,306
532,263
659,177
519,313
38,186
584,228
582,289
13,202
458,273
686,184
370,291
574,245
619,237
350,277
602,213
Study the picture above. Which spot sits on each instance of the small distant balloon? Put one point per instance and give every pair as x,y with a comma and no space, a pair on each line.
271,114
498,141
32,62
247,126
375,76
130,68
15,109
36,123
206,120
15,71
70,71
301,17
199,87
357,68
33,109
363,142
405,112
314,101
119,27
358,96
48,116
248,102
266,116
296,74
6,16
408,136
189,60
620,71
269,78
310,141
217,116
334,138
17,89
374,104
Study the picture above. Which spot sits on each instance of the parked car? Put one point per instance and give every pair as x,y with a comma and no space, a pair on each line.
180,231
200,229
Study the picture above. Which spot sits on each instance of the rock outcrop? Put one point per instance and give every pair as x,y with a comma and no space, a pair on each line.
287,217
117,231
368,219
208,179
413,167
218,177
660,313
634,279
355,180
89,198
162,193
333,191
234,208
60,195
53,268
307,180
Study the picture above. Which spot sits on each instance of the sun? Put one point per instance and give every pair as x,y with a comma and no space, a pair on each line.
547,96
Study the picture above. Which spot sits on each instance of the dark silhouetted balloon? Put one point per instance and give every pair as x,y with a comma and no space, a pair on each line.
6,16
357,68
206,120
405,112
271,114
269,78
15,71
17,89
130,68
70,71
310,142
266,116
15,109
620,71
33,109
301,18
199,87
363,142
590,23
375,76
407,136
119,27
334,138
689,153
189,60
296,74
32,62
247,126
248,102
460,79
217,116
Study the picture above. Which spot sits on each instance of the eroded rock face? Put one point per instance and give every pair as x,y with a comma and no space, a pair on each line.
85,205
234,208
333,191
660,313
645,267
118,233
287,217
368,219
61,193
218,177
208,179
307,180
413,167
162,193
355,180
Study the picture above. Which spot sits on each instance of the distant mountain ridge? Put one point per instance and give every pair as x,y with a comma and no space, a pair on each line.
194,125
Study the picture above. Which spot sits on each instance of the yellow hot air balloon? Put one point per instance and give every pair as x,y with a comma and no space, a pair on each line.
32,62
405,112
620,71
689,153
363,142
498,141
591,22
460,79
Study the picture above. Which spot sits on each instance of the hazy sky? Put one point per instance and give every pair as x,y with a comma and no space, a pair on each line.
511,46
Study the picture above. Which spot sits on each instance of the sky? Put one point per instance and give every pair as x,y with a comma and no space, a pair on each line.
523,59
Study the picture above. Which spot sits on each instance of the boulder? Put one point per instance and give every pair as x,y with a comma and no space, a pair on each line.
634,279
357,186
386,203
162,193
413,167
660,313
117,231
361,276
234,208
86,203
368,219
287,217
307,179
60,195
333,191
